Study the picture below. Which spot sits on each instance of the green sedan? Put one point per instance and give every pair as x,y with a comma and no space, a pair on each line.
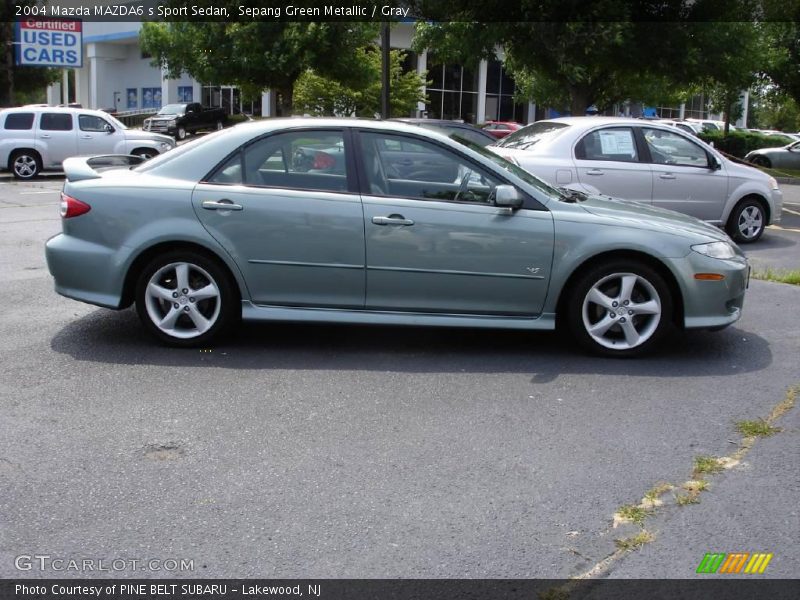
356,221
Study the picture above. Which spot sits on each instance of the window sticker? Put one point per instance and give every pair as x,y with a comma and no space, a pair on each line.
617,142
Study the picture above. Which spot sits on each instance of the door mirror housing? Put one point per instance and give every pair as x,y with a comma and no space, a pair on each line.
713,163
108,128
507,196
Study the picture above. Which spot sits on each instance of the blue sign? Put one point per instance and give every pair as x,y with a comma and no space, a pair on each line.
49,43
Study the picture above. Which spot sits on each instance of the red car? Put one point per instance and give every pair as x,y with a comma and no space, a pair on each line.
500,129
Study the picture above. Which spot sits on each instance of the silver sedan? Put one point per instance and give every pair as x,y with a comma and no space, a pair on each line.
650,163
356,221
784,157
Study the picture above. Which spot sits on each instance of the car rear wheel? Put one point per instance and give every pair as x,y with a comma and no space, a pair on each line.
25,164
620,309
747,221
220,125
186,299
761,161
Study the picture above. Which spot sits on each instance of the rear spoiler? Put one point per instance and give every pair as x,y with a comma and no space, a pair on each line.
83,167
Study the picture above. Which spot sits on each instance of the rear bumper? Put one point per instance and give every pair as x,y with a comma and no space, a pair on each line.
84,271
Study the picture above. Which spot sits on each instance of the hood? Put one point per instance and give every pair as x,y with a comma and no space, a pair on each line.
643,216
138,134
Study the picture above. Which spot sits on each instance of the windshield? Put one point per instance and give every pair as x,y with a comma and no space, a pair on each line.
172,109
515,170
115,122
531,134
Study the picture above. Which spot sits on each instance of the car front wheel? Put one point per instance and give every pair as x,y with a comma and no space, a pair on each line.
181,133
186,299
620,309
761,161
747,221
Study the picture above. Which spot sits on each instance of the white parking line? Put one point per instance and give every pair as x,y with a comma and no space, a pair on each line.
40,192
784,228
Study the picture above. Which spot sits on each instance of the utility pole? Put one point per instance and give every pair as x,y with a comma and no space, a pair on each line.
386,110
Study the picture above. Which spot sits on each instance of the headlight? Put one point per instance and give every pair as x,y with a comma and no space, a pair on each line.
165,146
773,183
171,123
715,250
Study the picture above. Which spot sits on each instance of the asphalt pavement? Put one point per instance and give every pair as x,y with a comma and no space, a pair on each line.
378,452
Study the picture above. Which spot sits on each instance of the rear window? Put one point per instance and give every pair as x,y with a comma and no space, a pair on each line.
532,134
56,122
19,121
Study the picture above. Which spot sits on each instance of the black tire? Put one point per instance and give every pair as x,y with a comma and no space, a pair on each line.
220,125
649,286
25,164
221,312
747,220
145,153
181,133
761,161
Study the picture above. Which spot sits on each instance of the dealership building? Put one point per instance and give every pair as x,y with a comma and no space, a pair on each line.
117,75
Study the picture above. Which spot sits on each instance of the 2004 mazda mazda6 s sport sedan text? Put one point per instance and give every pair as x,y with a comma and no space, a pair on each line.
350,221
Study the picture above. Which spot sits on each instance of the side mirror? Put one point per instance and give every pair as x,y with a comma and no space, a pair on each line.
108,128
507,196
714,164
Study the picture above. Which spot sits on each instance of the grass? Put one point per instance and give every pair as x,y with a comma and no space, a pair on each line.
779,172
756,428
706,464
684,499
791,276
657,490
636,541
696,485
633,513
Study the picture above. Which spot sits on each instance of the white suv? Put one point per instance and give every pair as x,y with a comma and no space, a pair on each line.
39,138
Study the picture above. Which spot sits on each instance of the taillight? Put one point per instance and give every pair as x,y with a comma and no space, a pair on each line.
72,207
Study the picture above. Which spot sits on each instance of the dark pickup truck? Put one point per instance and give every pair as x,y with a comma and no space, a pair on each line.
181,119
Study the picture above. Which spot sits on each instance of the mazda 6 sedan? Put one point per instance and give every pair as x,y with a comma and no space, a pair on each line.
351,221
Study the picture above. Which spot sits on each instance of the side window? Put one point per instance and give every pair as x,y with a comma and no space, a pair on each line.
303,160
612,143
399,166
91,123
19,121
56,122
667,148
230,173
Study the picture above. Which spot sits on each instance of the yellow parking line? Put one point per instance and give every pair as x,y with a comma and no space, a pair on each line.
789,210
783,228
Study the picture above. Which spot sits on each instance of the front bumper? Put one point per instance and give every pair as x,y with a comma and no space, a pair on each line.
712,304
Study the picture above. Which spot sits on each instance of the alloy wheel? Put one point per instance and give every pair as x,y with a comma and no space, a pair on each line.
621,311
182,300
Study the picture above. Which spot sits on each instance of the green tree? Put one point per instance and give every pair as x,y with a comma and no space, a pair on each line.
19,84
781,33
570,56
318,95
260,54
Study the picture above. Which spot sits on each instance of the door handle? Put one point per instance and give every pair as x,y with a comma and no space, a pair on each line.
667,176
223,204
392,220
594,172
86,137
45,136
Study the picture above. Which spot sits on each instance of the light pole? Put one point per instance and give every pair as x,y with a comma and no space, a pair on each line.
386,111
